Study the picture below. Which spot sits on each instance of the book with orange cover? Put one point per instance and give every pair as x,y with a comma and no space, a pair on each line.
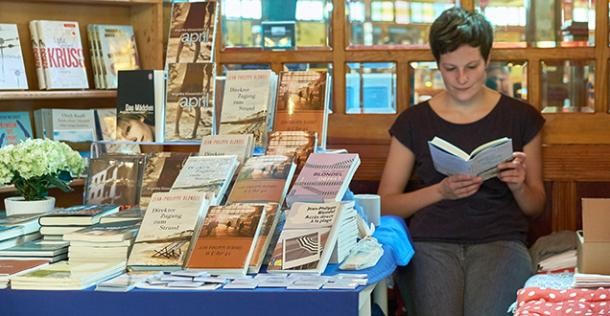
227,239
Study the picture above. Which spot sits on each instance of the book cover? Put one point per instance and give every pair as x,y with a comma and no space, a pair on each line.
246,103
70,125
268,226
118,51
297,144
65,275
190,101
140,105
167,229
241,145
96,58
108,232
37,248
37,55
114,179
160,172
307,238
324,177
192,32
482,161
302,103
263,179
131,214
227,239
15,127
12,68
62,54
11,267
78,214
210,174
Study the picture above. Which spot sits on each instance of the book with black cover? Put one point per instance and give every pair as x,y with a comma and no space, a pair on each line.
140,105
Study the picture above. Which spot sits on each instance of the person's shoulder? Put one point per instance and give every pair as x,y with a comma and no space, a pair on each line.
415,111
517,105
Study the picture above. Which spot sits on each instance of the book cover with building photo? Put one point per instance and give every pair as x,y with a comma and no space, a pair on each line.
114,179
192,32
160,172
302,103
140,100
190,101
12,68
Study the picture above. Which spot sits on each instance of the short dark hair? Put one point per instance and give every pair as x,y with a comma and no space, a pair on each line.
456,27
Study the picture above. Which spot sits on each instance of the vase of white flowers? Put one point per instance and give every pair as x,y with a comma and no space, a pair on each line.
33,167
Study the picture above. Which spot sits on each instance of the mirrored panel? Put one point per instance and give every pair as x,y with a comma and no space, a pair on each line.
276,24
540,23
507,77
370,88
384,23
568,86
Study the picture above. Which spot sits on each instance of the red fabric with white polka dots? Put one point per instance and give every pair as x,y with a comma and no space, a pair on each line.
539,301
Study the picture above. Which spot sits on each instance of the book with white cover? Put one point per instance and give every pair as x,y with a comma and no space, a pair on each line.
166,231
62,54
307,239
246,103
241,145
37,55
210,174
108,232
36,248
70,125
12,69
482,161
67,276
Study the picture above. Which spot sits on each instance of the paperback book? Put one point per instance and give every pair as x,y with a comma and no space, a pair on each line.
241,145
482,161
192,32
117,51
166,231
160,172
78,215
114,179
12,68
227,239
14,127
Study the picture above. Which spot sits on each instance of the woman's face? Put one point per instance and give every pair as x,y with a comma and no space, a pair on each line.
463,72
137,131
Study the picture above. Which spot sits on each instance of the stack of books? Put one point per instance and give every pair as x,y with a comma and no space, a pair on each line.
348,233
13,267
61,221
108,242
50,251
15,230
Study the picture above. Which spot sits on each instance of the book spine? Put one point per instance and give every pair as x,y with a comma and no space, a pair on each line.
37,55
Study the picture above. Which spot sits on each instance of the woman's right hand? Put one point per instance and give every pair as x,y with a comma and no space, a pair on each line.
459,186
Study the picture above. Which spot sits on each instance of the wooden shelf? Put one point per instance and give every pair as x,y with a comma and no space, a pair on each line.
79,182
67,94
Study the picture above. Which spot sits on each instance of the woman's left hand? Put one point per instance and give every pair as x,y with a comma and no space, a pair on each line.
513,172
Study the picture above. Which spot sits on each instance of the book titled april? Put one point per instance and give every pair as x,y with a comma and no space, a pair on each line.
448,159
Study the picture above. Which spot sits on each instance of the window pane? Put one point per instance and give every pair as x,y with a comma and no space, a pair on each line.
377,23
276,24
370,88
566,23
568,86
508,77
426,81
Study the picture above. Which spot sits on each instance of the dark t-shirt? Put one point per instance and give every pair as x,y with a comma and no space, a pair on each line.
490,214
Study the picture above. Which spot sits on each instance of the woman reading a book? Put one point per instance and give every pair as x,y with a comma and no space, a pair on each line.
469,234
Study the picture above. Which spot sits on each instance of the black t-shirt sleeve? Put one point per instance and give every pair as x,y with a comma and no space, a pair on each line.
534,123
401,129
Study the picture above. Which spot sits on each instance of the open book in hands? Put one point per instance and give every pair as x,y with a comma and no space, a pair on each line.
482,161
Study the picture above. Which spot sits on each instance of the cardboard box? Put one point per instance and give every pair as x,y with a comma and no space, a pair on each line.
594,239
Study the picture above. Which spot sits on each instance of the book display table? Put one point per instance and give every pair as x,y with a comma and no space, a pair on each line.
260,301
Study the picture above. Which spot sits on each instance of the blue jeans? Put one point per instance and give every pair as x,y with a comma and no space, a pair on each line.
464,279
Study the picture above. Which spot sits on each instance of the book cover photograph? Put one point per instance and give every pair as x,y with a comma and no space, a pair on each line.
160,172
61,53
167,229
12,68
302,103
118,50
297,144
139,105
482,161
210,174
114,179
227,238
307,238
14,127
190,101
246,103
192,32
268,225
263,179
324,177
241,145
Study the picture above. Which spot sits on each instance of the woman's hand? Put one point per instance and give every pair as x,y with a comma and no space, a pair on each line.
459,186
513,172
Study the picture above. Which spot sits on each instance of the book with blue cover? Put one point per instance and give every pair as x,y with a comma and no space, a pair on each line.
14,127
